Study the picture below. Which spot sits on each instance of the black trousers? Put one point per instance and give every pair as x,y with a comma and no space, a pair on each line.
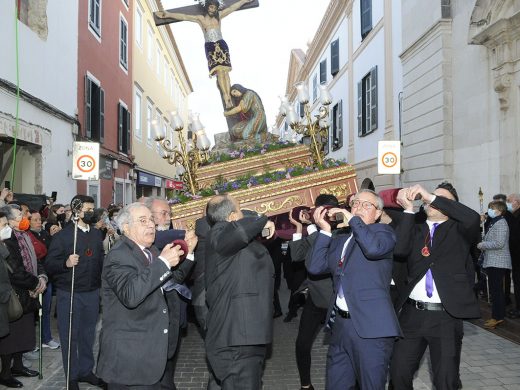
515,274
311,322
496,288
437,330
239,367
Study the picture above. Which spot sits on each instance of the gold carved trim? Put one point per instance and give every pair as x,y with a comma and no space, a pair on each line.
292,201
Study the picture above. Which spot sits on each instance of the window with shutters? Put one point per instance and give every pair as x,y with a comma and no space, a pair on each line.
138,27
123,134
138,130
323,72
94,111
366,17
334,57
337,126
314,87
123,43
94,16
367,103
149,119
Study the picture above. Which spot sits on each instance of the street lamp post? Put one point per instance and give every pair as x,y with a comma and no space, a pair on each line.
313,129
188,155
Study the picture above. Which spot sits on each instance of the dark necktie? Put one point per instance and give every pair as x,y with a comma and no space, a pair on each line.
149,255
429,276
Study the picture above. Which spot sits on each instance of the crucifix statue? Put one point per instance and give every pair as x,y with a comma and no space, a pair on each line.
208,15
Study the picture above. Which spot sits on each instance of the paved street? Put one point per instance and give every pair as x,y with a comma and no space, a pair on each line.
488,362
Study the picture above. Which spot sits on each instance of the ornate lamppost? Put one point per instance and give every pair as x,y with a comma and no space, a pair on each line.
316,130
188,155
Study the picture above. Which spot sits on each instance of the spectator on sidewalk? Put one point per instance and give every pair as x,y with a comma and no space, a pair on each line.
513,207
28,279
45,238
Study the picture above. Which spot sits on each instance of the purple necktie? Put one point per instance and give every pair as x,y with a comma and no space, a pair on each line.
149,255
429,276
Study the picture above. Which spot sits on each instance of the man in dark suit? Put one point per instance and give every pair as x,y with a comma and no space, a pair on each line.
363,320
135,346
319,290
513,206
239,292
437,294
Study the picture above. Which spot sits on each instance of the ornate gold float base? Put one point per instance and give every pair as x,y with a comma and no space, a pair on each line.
279,197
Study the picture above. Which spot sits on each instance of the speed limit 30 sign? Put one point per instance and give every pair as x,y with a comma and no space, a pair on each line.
85,161
389,157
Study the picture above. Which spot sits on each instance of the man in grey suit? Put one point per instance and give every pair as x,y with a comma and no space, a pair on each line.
134,340
239,292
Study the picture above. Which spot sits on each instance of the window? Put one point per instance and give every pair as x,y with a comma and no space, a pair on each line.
159,129
123,43
94,111
323,72
138,131
367,103
94,16
334,57
337,126
314,87
158,61
138,28
149,119
366,17
123,134
150,45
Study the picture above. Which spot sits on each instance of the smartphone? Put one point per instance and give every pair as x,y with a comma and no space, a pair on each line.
54,195
7,184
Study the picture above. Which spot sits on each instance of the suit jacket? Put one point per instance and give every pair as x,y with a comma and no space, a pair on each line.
5,291
201,230
320,286
450,259
239,285
135,339
365,275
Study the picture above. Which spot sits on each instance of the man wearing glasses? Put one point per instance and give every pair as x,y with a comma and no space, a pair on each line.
87,262
134,340
361,315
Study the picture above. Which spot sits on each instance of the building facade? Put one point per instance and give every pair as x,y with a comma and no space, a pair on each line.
461,110
160,85
355,54
104,95
40,55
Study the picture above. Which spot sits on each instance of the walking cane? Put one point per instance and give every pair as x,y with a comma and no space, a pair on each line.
76,207
40,357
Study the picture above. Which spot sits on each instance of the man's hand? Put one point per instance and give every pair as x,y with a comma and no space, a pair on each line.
270,225
72,261
172,254
347,215
402,199
42,285
297,224
418,192
54,229
4,193
319,219
191,239
9,197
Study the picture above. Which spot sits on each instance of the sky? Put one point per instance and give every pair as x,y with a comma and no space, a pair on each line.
260,41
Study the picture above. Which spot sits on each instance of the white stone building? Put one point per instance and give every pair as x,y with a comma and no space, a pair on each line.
46,43
461,106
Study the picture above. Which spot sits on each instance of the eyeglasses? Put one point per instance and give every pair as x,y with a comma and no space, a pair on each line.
143,221
365,204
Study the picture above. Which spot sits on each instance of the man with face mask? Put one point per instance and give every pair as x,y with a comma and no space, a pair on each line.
87,261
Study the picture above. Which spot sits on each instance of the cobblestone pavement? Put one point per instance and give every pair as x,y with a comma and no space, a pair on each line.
488,362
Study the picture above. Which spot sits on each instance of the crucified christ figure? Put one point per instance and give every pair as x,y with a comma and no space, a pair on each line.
217,51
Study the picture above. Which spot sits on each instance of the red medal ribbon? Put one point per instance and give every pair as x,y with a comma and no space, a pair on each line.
88,252
425,251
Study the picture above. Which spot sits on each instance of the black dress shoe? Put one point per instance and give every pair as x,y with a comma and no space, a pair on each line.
11,382
73,385
93,380
290,316
24,372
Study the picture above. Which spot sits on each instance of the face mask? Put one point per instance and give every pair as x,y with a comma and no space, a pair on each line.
6,232
492,213
61,217
24,224
509,207
88,217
